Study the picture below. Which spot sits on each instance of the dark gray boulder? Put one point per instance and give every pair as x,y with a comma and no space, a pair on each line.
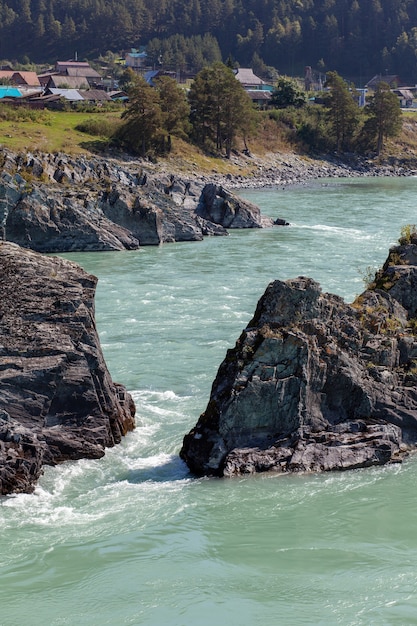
220,206
314,383
57,399
56,222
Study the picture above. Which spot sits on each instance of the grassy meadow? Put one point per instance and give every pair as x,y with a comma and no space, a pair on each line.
60,131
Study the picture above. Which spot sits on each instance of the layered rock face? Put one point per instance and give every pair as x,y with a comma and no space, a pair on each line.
218,205
57,399
314,383
54,203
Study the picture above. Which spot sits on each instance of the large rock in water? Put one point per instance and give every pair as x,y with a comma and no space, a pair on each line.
220,206
316,384
57,399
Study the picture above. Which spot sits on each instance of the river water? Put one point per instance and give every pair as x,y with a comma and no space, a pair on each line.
133,538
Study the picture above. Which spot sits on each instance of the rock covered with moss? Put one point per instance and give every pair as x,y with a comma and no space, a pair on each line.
57,399
314,383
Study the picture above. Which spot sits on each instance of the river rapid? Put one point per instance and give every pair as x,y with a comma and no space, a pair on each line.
133,538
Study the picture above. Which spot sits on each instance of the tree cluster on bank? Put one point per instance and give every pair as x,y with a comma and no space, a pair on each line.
358,38
341,125
217,114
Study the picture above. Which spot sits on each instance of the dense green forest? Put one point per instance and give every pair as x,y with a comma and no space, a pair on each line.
357,38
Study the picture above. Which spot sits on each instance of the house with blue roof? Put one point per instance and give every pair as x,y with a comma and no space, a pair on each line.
136,59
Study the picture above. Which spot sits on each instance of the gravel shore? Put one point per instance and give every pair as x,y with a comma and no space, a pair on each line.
281,169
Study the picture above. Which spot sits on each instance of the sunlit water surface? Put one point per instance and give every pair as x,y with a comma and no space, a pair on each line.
133,538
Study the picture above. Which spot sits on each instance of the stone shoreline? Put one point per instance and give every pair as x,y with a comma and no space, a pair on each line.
282,169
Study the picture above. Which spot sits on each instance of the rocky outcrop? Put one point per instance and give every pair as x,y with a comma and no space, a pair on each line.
53,203
316,384
220,206
57,399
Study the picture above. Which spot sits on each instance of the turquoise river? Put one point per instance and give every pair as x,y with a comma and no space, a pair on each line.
133,538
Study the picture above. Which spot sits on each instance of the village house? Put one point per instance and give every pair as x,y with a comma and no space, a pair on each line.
136,59
62,81
392,80
250,81
257,89
78,69
72,75
405,96
261,98
18,84
19,78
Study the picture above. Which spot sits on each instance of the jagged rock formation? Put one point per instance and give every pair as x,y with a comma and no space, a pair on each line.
54,203
218,205
57,399
314,383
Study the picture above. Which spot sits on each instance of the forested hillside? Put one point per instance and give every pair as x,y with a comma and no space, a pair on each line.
358,38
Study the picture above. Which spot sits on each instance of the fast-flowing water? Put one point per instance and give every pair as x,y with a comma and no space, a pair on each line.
133,538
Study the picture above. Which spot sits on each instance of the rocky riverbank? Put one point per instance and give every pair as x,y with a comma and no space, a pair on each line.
55,203
282,169
316,384
57,399
58,203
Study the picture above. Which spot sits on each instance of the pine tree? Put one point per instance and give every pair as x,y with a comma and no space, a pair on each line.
174,106
220,108
384,115
143,118
343,111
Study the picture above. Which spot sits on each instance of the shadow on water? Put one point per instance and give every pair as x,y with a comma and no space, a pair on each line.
173,469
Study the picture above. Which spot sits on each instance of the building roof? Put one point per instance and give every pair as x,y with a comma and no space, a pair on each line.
246,76
69,94
61,66
45,76
136,54
149,76
67,82
20,78
76,68
95,94
7,91
404,93
259,94
49,97
118,95
390,79
88,72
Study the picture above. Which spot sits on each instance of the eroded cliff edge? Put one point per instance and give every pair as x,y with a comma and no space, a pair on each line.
57,399
314,383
